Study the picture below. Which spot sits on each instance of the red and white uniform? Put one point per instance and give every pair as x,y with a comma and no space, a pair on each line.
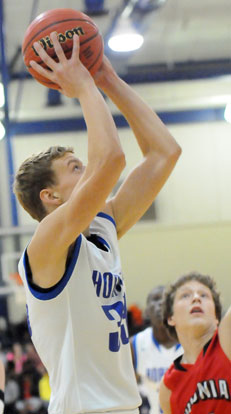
204,387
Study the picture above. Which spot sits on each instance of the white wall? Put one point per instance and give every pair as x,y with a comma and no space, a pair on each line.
158,254
199,189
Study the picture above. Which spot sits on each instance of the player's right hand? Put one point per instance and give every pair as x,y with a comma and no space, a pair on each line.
70,74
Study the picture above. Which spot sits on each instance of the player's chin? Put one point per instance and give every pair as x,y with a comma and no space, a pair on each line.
197,318
197,314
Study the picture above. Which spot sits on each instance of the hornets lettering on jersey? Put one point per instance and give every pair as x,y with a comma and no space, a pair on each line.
107,284
110,285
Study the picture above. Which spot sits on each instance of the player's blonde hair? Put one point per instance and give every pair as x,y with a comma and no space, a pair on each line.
34,175
170,294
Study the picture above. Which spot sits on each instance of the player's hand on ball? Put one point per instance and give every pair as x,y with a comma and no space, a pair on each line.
70,74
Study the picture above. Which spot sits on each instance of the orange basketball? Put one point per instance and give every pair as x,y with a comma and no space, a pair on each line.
66,22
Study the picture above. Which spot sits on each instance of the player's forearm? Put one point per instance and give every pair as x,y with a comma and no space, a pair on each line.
150,132
103,138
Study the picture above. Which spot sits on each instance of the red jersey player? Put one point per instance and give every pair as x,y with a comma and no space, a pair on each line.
200,380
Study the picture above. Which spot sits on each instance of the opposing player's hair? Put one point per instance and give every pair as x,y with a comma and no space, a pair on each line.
170,292
34,175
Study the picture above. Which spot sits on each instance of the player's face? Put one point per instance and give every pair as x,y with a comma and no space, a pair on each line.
154,305
68,170
193,307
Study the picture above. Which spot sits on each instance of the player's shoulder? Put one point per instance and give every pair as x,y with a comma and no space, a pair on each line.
146,334
142,340
106,212
104,224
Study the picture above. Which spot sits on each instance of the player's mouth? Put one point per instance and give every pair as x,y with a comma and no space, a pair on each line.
196,309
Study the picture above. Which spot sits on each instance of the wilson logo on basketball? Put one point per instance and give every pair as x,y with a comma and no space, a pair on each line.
66,23
63,37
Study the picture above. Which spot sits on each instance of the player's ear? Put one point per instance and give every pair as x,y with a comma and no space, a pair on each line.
49,196
171,321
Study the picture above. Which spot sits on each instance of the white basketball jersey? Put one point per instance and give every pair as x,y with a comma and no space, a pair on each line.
151,361
79,328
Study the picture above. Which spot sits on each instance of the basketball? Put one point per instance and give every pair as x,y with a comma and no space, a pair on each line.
66,22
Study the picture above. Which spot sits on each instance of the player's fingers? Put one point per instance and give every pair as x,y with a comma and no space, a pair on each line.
44,56
57,47
76,47
39,69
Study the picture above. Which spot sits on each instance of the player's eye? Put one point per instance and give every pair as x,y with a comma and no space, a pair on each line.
185,295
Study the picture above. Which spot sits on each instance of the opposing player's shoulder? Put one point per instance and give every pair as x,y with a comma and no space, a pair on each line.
164,397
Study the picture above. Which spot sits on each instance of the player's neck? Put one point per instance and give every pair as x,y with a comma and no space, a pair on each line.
162,337
193,344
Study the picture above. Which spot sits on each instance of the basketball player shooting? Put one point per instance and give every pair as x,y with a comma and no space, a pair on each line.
71,268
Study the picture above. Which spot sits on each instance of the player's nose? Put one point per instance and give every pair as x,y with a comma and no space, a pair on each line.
196,297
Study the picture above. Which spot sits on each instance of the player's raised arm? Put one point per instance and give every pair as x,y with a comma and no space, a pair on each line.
224,331
78,191
160,150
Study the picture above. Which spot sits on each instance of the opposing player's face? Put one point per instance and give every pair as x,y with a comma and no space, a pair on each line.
193,307
68,170
154,305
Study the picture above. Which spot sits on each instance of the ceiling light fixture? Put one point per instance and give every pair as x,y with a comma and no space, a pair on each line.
125,38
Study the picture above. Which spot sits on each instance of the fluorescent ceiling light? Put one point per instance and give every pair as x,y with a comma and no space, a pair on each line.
2,97
125,38
227,114
125,42
2,131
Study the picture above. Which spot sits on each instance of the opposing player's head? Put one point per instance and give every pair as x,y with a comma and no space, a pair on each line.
153,311
191,301
46,180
